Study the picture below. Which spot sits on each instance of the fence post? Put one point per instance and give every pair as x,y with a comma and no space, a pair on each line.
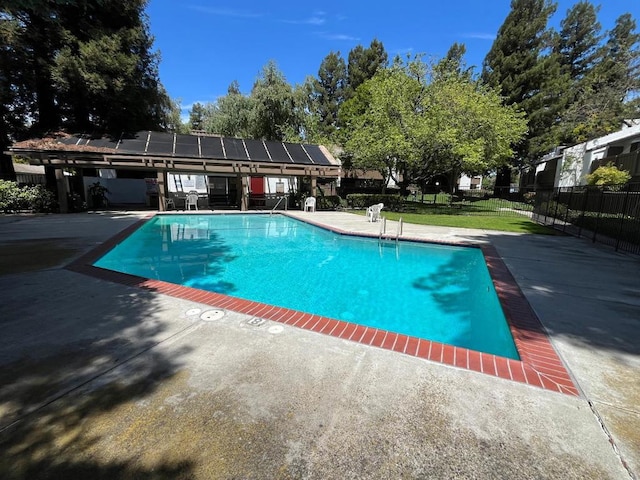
624,211
566,215
555,213
584,209
595,228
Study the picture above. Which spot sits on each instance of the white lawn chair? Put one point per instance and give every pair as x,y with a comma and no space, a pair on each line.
191,201
310,204
373,212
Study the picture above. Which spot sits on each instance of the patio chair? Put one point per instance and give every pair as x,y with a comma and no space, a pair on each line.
310,204
373,212
191,201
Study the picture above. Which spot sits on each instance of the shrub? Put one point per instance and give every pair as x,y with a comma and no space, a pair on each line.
608,174
34,199
9,196
529,198
364,200
328,202
40,199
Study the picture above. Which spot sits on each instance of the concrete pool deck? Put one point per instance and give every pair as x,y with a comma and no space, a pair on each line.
104,380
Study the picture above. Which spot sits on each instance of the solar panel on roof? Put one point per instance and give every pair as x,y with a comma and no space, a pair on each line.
211,147
184,150
70,140
278,152
298,154
187,146
234,149
161,143
104,142
257,152
161,137
132,145
316,155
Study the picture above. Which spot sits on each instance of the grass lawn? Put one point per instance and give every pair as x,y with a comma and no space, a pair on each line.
425,214
519,224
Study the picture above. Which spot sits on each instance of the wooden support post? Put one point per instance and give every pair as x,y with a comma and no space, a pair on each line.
162,190
244,201
314,184
61,186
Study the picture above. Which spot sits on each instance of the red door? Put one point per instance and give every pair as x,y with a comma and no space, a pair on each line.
256,196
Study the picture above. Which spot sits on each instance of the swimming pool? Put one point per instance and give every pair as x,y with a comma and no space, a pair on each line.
436,292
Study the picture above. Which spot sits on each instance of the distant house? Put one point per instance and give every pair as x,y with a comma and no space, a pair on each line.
569,166
465,182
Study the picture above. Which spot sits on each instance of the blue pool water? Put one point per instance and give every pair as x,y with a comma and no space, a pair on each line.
436,292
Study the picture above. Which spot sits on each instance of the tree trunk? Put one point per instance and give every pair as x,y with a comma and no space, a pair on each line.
44,92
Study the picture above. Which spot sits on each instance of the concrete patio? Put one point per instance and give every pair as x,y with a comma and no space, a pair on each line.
102,380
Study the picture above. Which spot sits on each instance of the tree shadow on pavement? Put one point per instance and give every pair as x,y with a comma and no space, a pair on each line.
77,356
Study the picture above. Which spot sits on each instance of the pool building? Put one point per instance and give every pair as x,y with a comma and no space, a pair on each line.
160,168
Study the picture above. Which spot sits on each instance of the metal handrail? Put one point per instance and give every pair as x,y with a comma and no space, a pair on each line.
278,203
383,227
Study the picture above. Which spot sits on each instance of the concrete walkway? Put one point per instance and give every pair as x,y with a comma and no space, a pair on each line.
101,380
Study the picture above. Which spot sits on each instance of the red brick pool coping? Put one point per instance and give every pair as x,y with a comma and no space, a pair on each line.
540,366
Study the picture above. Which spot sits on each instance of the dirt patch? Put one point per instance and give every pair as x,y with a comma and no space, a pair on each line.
31,255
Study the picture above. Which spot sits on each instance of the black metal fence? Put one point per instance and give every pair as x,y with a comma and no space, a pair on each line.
507,202
609,215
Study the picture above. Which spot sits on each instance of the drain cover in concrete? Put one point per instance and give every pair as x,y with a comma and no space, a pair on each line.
212,315
256,322
192,311
276,329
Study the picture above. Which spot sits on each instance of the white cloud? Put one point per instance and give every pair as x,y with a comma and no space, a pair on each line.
307,21
339,36
226,12
480,36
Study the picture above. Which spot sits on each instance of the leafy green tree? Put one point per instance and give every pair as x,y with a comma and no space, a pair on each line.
411,130
306,113
230,115
233,88
273,105
363,63
173,118
329,91
197,117
106,74
453,63
82,65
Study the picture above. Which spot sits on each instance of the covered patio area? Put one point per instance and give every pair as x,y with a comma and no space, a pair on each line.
242,163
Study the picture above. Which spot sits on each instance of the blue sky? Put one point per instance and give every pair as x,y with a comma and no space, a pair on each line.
205,45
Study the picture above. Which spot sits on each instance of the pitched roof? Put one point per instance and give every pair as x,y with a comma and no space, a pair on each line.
205,147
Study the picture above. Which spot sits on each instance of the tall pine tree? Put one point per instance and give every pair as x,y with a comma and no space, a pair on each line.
363,63
517,66
608,93
329,91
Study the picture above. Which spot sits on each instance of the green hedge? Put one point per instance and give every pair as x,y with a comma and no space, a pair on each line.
328,202
364,200
34,199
